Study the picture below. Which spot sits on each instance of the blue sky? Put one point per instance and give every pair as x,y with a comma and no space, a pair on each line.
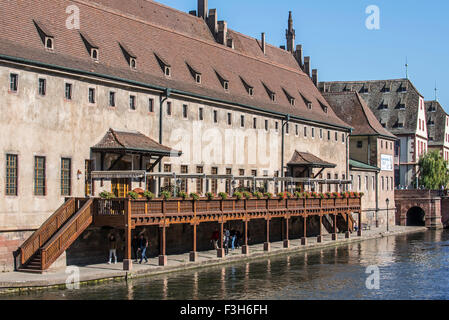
334,34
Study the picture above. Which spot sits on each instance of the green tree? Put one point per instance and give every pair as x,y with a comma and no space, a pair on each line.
434,171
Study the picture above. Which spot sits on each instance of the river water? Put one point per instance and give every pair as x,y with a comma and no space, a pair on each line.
413,266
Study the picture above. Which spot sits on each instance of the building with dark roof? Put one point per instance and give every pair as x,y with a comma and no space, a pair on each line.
72,69
399,107
371,152
438,128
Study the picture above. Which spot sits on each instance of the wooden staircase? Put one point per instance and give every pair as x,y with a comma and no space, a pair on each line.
46,245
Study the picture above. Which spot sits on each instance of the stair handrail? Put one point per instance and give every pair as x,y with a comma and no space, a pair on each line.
30,247
77,223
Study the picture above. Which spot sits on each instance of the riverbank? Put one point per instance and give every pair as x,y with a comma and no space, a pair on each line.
18,282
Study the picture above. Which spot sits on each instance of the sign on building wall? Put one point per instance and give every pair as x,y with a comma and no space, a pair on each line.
386,162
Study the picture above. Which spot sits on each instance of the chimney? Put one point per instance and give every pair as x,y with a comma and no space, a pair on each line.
298,55
315,77
264,45
212,21
202,9
307,65
222,32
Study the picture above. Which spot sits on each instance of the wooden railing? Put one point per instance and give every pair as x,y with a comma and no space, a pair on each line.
48,228
60,241
116,207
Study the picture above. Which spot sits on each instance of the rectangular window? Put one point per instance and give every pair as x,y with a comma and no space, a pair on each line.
241,174
11,174
150,105
167,181
215,116
242,121
321,133
66,175
168,108
214,182
39,176
229,118
276,126
112,99
305,131
328,135
184,111
297,130
266,125
13,82
42,86
228,182
255,123
313,132
91,95
132,102
286,128
68,91
336,136
201,114
184,182
199,181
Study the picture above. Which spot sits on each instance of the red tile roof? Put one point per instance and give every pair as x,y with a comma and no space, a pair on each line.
309,160
146,28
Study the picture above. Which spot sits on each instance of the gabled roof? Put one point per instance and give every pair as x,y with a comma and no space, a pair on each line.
132,142
351,107
306,159
145,27
437,130
376,97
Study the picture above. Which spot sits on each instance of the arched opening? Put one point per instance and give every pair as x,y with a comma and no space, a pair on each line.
416,217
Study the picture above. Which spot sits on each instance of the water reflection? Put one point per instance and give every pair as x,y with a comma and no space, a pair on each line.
411,267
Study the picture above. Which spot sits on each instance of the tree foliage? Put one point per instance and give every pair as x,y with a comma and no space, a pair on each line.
434,171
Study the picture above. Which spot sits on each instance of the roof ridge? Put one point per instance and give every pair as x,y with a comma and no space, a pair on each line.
116,138
214,44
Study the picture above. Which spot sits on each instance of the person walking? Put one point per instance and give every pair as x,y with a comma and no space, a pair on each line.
233,238
135,247
226,241
112,249
215,238
143,245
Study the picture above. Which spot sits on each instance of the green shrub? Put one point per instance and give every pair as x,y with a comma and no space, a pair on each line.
166,195
107,195
149,195
195,196
183,195
133,195
258,195
298,194
247,195
238,195
269,195
210,196
223,195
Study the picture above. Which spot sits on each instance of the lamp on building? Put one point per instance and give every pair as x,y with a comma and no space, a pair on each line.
78,174
388,202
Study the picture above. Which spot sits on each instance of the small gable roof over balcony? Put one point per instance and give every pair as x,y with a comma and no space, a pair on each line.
132,143
305,159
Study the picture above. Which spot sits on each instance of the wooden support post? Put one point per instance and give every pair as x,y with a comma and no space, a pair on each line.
319,239
163,256
127,261
245,247
221,251
266,245
359,231
286,240
193,253
304,238
348,233
334,235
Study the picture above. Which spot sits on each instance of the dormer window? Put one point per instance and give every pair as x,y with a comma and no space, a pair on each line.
290,98
130,57
383,105
323,106
198,78
402,88
292,101
92,49
364,89
385,89
49,43
306,102
46,37
195,73
249,88
270,92
165,66
400,106
94,54
224,82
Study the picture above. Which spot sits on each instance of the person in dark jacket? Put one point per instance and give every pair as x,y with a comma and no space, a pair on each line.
143,245
135,247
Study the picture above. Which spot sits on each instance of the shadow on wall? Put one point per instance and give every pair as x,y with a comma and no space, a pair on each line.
416,217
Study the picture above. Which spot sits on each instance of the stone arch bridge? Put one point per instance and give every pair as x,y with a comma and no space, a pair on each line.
422,208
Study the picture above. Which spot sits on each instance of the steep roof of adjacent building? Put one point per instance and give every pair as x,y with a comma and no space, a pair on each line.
309,160
351,107
357,165
154,33
436,122
395,103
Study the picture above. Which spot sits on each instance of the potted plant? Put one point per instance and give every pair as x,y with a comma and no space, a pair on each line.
166,195
322,195
107,195
183,195
268,195
306,195
238,195
258,195
133,195
298,194
223,195
149,195
247,195
195,196
210,196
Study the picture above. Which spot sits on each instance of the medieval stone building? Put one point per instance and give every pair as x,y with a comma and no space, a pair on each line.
438,128
104,95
